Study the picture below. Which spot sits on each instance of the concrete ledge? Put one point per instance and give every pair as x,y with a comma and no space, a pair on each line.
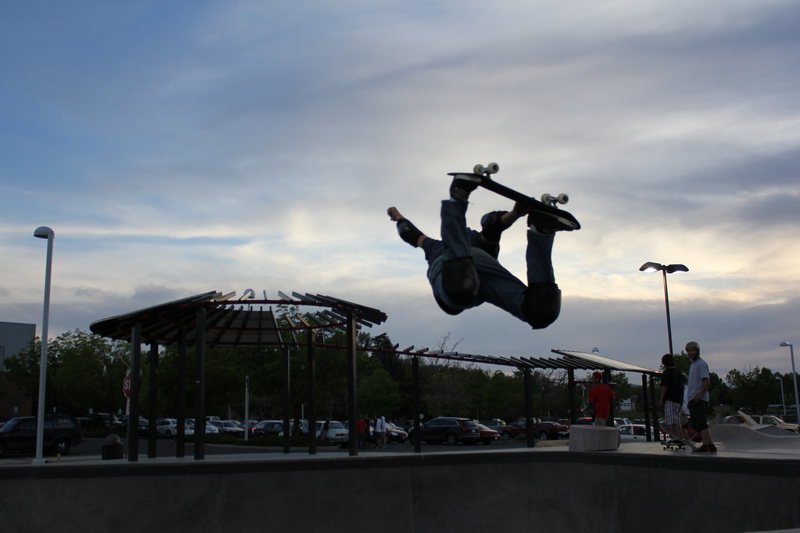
522,490
592,438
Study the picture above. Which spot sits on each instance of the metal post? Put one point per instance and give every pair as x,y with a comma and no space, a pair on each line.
180,433
200,384
152,398
794,382
611,410
136,379
247,408
49,234
666,302
571,394
312,402
527,382
415,379
654,409
646,408
287,400
783,397
351,382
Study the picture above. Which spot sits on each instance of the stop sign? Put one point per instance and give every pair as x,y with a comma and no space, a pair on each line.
126,385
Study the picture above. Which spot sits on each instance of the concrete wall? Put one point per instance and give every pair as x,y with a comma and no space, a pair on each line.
482,492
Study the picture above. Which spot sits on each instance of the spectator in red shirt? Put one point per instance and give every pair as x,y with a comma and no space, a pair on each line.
361,432
600,396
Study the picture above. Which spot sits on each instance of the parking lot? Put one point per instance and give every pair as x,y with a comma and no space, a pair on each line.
90,448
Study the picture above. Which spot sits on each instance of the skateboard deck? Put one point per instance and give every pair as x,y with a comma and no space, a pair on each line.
677,442
546,207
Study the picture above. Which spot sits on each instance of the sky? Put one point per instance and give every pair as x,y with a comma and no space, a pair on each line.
180,147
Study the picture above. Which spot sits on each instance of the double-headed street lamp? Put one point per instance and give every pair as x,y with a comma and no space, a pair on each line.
794,379
665,269
43,232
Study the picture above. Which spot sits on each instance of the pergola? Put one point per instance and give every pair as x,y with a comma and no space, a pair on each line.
216,319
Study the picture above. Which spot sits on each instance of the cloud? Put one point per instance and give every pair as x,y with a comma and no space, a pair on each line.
251,145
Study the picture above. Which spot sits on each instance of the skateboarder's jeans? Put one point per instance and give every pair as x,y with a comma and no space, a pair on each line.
498,286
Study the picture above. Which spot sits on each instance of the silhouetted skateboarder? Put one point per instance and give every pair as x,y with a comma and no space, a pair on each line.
463,269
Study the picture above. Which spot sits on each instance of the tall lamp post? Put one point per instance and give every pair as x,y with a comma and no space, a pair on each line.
783,397
665,269
43,232
794,379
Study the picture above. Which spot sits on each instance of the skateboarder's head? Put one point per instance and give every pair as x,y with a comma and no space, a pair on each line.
667,360
693,349
597,377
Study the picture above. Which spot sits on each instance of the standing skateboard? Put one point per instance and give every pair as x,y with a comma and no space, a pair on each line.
677,442
547,207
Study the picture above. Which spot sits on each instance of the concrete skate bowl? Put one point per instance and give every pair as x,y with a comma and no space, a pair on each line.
767,439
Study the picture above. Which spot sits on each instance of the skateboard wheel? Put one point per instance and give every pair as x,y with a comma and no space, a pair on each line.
553,200
491,168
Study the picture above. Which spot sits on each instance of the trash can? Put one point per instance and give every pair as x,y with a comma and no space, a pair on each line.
111,448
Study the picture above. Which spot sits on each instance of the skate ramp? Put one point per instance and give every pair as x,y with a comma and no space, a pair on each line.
741,437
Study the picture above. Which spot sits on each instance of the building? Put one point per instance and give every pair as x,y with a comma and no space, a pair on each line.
14,338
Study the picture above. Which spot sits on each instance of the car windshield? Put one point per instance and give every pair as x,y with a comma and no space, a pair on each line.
8,426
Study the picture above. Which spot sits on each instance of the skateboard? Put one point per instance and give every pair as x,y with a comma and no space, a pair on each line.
546,207
677,442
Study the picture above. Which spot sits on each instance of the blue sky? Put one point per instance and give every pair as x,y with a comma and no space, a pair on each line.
181,147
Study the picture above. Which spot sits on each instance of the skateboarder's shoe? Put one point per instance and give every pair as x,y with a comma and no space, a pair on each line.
460,281
492,225
462,185
408,232
545,223
705,448
541,305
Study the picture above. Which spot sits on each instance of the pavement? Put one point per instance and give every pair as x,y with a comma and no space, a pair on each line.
732,441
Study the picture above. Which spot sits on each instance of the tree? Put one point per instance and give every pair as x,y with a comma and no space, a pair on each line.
84,371
379,395
753,390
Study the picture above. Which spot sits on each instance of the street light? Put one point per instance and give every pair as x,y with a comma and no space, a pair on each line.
665,269
794,379
783,398
43,232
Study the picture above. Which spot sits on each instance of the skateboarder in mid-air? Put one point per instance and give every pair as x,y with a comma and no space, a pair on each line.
463,269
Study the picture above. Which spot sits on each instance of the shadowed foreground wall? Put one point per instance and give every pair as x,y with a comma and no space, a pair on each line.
486,491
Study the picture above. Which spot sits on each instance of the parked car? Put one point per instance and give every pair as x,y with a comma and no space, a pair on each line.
447,429
227,427
542,430
632,432
488,435
144,424
332,431
267,427
772,420
19,435
622,421
493,423
211,429
168,428
561,431
395,433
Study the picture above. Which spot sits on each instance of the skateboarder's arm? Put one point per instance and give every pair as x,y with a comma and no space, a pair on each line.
515,214
408,232
703,388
